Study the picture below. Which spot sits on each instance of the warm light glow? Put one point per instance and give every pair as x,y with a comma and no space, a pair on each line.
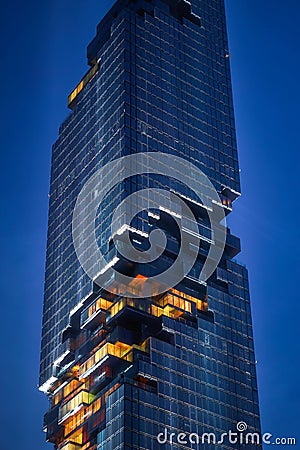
105,350
118,350
82,398
178,302
201,305
71,446
75,421
86,79
100,304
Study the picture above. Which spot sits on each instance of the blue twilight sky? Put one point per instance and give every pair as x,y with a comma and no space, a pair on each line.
43,57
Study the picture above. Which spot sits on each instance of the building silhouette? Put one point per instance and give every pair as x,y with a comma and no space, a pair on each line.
121,366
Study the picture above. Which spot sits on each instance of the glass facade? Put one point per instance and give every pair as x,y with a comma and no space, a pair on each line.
120,370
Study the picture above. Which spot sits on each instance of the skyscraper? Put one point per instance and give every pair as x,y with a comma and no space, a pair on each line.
123,360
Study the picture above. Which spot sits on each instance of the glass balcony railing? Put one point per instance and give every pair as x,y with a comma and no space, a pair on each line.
174,300
97,306
118,350
71,446
82,398
139,304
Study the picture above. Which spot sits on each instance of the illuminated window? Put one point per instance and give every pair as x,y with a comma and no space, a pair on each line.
83,398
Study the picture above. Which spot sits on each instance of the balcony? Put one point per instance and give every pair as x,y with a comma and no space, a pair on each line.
108,350
111,354
94,315
71,446
141,305
170,305
83,398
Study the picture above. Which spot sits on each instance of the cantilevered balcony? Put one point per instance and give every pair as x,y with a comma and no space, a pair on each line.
83,398
112,355
71,446
95,314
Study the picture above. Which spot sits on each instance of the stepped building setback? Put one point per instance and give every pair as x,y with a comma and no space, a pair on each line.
120,362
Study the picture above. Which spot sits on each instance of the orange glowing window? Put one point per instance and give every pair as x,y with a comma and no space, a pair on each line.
86,79
117,350
74,422
202,305
100,304
83,398
71,446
